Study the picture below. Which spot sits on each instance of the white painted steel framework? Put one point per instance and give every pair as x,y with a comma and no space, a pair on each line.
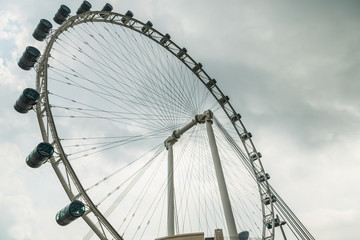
229,216
70,181
206,118
171,203
169,142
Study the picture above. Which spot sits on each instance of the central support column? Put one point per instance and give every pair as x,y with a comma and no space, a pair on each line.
171,205
169,142
206,118
229,216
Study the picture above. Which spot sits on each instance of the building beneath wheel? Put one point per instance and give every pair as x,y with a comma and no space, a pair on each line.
218,235
187,236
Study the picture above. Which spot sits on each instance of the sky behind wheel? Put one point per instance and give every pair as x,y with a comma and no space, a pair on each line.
289,69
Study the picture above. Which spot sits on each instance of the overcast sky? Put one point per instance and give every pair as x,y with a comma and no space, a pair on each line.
291,68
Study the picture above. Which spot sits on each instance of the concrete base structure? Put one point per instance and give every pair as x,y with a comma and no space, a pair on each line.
218,235
187,236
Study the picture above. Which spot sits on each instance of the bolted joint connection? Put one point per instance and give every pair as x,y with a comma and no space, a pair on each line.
170,141
208,116
201,118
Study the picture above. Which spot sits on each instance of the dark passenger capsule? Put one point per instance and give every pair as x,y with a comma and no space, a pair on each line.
70,213
235,117
244,235
255,156
106,8
62,14
40,155
29,58
224,100
84,7
42,30
147,26
181,52
261,178
27,100
211,83
165,38
276,221
128,16
197,67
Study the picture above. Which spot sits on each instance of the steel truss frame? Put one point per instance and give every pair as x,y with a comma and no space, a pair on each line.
63,169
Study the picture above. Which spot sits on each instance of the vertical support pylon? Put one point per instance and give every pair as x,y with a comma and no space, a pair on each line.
229,216
170,217
169,142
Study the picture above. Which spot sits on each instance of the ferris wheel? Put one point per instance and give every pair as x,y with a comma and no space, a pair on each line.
142,139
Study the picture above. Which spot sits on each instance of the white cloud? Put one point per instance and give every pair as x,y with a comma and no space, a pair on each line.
19,214
334,224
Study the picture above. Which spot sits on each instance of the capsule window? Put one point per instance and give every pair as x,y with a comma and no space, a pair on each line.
106,8
45,149
181,52
224,100
146,27
276,223
243,235
62,14
211,83
197,68
261,178
42,30
29,58
235,117
268,200
164,39
246,136
84,7
77,209
27,100
128,16
39,155
256,156
70,213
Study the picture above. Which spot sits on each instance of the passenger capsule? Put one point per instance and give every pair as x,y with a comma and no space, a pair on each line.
246,136
165,38
197,68
244,235
267,200
211,83
146,27
62,14
224,100
27,100
42,30
106,8
261,178
29,58
70,213
181,52
256,156
276,222
40,155
84,7
128,16
235,117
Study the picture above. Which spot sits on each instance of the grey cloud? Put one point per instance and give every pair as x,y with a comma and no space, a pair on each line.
291,70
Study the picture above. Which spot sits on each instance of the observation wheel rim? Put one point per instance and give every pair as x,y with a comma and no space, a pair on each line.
44,106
